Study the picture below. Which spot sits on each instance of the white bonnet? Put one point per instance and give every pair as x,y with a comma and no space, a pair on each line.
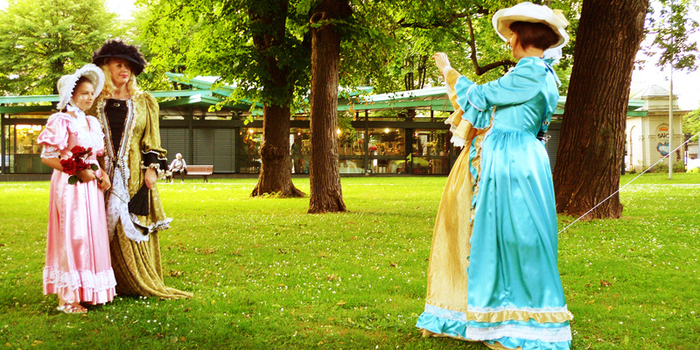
67,83
529,12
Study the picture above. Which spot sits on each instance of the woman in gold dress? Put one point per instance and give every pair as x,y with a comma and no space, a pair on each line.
133,157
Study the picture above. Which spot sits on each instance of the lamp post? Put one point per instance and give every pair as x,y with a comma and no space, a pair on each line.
670,125
670,111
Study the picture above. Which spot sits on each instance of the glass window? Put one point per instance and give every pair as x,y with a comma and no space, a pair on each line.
351,142
300,150
24,151
352,166
386,142
387,150
432,152
248,158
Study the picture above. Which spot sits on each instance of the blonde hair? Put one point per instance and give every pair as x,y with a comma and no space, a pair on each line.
109,86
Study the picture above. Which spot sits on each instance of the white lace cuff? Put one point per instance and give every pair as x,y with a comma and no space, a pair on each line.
50,152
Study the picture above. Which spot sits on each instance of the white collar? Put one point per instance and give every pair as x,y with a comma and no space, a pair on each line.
70,107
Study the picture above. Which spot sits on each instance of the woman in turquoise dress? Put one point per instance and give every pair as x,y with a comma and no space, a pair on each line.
515,298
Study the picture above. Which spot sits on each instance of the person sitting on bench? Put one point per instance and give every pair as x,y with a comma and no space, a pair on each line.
179,167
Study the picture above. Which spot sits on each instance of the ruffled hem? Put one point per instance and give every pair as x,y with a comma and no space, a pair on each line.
82,295
80,286
514,343
440,322
76,279
543,315
441,327
521,332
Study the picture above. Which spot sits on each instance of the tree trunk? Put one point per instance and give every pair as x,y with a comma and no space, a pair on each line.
268,18
592,141
326,190
276,170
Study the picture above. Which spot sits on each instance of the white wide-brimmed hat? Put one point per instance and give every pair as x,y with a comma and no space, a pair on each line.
67,83
529,12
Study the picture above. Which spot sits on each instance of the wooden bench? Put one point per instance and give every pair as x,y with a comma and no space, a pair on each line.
200,170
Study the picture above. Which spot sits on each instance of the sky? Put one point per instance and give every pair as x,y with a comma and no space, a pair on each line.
685,84
123,8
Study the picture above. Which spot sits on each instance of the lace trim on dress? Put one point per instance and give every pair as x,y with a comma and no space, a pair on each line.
445,313
470,101
500,314
527,309
558,334
154,227
118,206
50,152
79,279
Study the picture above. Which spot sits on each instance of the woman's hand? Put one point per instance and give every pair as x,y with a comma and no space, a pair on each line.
441,61
104,182
86,175
150,177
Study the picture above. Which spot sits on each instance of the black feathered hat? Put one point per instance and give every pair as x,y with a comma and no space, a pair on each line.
118,49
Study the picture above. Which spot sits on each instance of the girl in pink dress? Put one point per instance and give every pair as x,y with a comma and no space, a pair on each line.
78,268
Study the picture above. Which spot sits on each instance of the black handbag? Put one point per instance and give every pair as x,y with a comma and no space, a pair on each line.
139,202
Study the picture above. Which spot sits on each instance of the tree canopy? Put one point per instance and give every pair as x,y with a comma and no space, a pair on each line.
670,27
41,40
216,38
385,44
691,123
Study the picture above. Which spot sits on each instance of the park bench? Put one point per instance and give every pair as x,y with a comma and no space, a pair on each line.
200,170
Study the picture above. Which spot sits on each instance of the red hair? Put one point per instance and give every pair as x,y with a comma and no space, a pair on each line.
538,35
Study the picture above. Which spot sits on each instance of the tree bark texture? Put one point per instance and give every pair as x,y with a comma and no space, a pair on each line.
276,170
268,19
592,140
326,191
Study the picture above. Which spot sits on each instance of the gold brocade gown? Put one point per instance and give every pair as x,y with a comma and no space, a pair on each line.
450,250
137,264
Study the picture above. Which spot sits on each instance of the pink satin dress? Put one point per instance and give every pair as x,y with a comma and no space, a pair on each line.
78,265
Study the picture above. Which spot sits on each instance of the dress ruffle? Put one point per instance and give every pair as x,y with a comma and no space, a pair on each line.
476,109
89,286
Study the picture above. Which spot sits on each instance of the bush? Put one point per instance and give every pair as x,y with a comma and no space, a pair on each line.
662,167
679,167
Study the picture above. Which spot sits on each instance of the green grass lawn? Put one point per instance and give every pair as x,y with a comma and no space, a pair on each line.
266,275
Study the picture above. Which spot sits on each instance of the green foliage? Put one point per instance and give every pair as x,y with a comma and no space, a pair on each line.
671,29
41,40
386,44
691,123
204,37
662,168
390,42
266,275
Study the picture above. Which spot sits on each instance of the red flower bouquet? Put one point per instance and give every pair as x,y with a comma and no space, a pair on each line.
76,163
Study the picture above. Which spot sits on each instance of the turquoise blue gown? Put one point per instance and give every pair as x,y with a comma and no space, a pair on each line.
514,294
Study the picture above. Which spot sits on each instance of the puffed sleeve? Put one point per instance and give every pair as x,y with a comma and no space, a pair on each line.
476,102
55,136
151,149
461,129
519,85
